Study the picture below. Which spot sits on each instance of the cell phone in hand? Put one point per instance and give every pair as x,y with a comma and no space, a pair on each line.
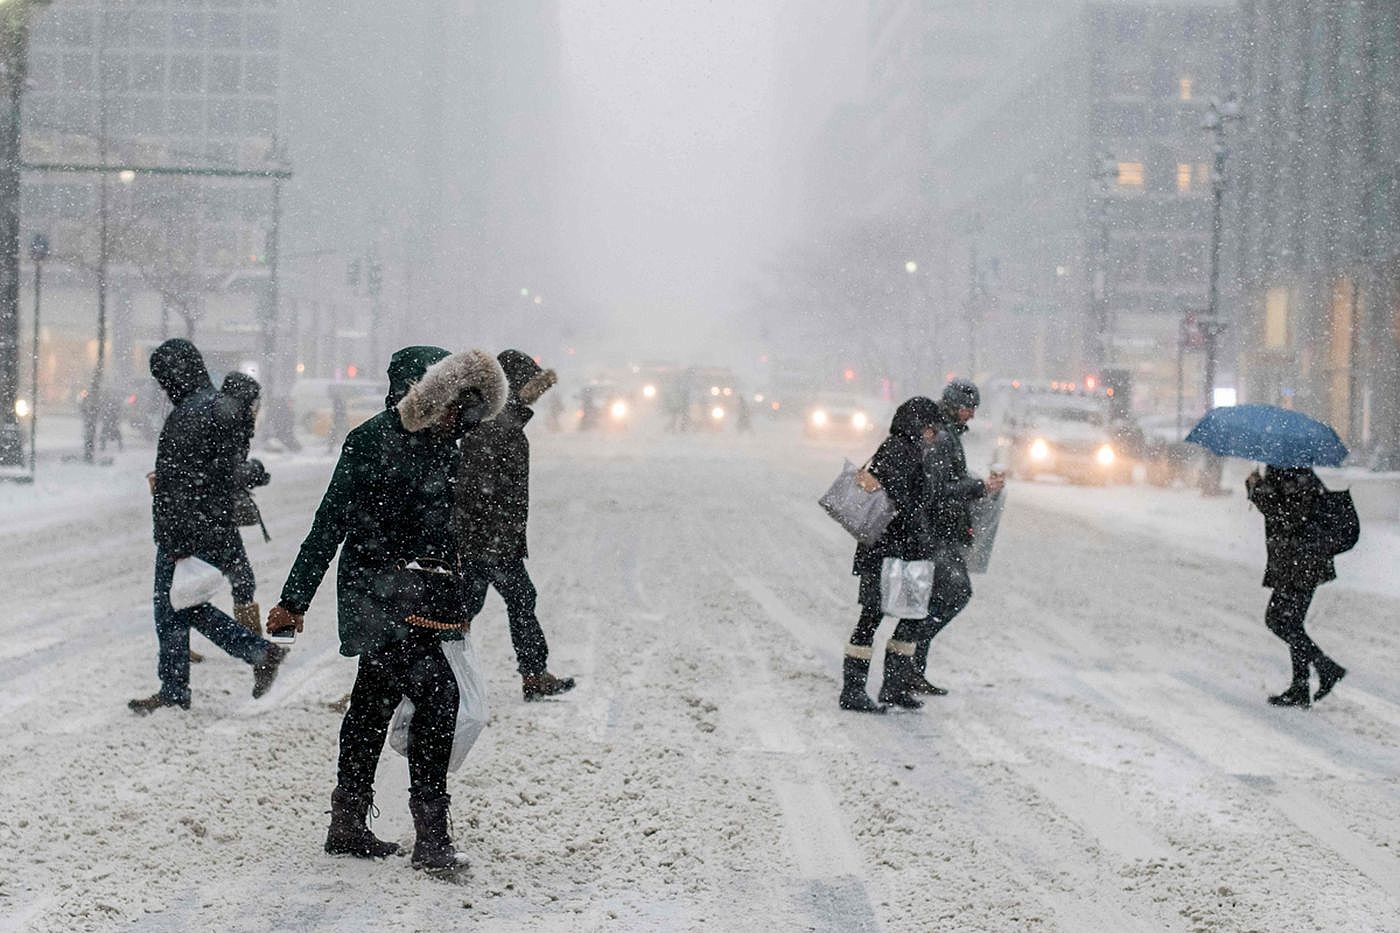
284,636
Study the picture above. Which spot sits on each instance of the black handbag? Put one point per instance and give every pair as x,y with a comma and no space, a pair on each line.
246,513
420,591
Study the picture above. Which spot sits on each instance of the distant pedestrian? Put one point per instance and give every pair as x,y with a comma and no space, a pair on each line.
951,493
109,421
492,512
398,594
898,465
1298,563
340,420
193,491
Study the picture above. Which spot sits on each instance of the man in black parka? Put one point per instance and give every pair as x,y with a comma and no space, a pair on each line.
951,494
1298,564
398,595
898,465
197,478
492,513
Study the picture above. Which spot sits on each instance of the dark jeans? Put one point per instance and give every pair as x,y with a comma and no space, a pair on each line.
952,591
871,616
512,581
173,627
1288,608
415,668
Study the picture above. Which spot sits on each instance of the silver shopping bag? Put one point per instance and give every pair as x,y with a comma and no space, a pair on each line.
858,504
986,517
905,587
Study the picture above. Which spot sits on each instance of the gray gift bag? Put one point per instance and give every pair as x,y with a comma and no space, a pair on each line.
858,504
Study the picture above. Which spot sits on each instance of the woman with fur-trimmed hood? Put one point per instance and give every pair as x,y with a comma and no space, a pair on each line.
493,510
388,509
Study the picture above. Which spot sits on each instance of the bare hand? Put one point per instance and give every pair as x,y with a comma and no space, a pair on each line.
279,618
995,484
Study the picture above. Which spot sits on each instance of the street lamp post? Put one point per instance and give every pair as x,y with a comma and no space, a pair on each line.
38,252
1101,339
14,45
1212,328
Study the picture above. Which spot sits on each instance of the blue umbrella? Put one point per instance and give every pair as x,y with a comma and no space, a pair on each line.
1269,434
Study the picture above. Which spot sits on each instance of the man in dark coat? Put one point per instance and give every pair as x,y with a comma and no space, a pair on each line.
1298,564
240,398
951,494
390,503
493,510
193,492
898,466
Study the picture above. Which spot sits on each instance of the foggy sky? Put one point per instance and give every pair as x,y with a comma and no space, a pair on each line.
667,176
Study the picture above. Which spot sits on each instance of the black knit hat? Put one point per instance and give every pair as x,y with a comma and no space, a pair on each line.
961,393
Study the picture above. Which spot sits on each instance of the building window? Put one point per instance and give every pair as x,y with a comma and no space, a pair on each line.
1130,175
1202,174
1276,318
1183,177
1185,88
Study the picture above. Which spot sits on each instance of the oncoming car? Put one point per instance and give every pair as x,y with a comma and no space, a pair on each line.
1072,436
838,417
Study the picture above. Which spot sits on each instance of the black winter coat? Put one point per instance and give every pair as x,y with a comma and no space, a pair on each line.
951,490
1287,499
197,457
493,488
898,465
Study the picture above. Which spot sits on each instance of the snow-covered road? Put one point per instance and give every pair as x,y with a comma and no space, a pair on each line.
1105,760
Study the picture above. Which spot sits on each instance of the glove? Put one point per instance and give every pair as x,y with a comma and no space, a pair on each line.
279,617
255,474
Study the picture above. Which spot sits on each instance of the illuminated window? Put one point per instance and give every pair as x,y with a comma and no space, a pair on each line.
1202,174
1185,88
1183,176
1276,318
1130,174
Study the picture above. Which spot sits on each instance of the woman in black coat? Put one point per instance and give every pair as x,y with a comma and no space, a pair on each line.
898,465
1298,564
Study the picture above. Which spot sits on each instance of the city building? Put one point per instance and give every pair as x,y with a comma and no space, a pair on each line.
1077,184
1315,215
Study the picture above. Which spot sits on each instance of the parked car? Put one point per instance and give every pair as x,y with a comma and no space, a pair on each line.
1167,458
1068,435
314,402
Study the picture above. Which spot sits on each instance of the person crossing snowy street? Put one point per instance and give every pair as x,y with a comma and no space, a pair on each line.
898,465
492,511
240,395
399,596
1298,564
197,477
951,492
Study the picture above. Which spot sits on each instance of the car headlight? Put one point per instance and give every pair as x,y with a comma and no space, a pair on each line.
649,391
818,419
859,421
1039,449
717,413
1105,455
618,410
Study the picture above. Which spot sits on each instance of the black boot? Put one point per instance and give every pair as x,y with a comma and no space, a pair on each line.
432,850
1328,673
148,705
920,682
899,673
854,672
1296,695
545,684
349,833
265,672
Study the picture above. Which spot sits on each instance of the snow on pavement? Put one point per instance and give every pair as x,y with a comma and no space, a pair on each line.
1104,761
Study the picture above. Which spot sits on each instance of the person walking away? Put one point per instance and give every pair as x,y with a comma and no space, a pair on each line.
898,465
195,479
340,419
388,509
492,512
110,421
1298,563
951,493
241,395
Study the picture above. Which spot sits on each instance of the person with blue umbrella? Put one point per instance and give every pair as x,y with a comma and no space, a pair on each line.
1289,495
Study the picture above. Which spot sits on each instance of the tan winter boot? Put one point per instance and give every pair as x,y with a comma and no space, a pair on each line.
249,616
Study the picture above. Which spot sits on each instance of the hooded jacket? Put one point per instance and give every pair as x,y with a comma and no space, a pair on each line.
898,465
197,456
390,498
493,480
1287,498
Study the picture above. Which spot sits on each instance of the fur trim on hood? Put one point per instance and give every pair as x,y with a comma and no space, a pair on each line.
531,391
472,378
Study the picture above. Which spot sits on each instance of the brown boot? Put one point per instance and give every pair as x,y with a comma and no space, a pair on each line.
249,616
545,684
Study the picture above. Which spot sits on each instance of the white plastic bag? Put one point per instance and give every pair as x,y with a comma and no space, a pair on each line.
905,587
195,582
472,711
